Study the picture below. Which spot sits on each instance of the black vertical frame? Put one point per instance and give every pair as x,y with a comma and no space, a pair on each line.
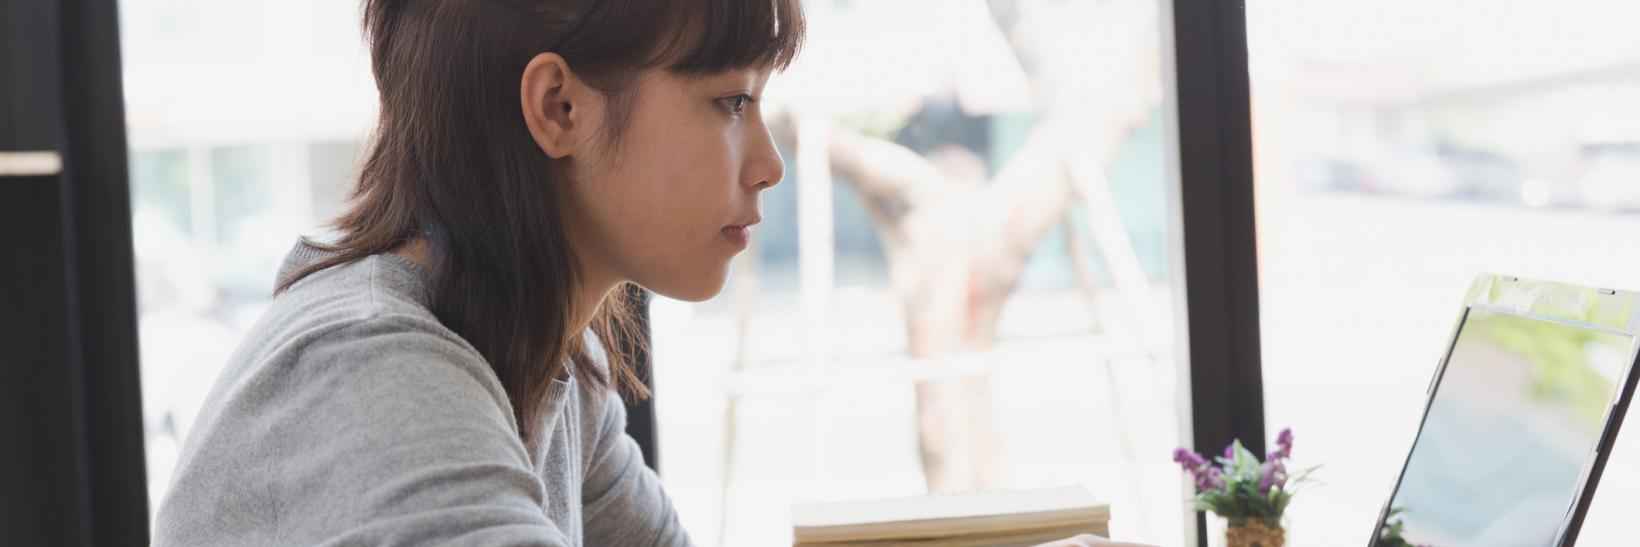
1213,153
100,209
73,472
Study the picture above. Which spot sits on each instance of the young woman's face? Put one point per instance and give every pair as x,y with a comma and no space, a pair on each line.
669,205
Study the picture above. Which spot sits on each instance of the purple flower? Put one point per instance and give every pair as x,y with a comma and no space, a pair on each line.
1230,451
1191,461
1207,476
1213,479
1284,444
1272,474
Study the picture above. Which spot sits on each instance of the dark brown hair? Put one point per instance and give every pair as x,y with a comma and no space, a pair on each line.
452,161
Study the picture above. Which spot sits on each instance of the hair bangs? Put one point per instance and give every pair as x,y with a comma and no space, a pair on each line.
735,34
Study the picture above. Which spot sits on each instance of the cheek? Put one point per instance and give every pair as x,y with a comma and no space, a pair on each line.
685,178
664,185
676,194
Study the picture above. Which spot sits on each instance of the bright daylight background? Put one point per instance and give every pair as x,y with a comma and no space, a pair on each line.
1017,255
1403,146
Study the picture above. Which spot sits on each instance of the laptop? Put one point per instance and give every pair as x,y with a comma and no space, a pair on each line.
1521,415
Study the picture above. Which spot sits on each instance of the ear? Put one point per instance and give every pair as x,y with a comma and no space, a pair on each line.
551,96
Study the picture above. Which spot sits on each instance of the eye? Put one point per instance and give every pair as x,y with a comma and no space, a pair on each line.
736,104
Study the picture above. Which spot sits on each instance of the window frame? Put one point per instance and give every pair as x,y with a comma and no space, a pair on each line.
1207,92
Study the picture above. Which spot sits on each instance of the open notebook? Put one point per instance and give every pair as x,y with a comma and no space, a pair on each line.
1011,517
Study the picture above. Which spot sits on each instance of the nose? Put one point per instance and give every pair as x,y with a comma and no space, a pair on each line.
764,168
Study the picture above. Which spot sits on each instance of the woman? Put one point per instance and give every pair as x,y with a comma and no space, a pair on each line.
443,371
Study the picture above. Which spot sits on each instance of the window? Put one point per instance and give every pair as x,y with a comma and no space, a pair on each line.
961,283
1403,147
1020,276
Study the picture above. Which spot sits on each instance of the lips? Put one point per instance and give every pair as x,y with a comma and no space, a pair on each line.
738,234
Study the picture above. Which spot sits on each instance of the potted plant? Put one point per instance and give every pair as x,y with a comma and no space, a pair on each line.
1250,494
1390,534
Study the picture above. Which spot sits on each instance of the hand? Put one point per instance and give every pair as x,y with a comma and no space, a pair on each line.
1089,540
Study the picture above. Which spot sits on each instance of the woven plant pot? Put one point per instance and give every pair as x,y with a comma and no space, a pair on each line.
1254,533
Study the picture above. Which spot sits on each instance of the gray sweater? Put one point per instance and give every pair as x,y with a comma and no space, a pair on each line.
350,416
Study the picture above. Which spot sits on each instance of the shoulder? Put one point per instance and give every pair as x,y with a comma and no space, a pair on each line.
358,301
361,325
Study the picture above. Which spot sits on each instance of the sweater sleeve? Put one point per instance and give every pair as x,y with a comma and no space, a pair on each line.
622,499
376,435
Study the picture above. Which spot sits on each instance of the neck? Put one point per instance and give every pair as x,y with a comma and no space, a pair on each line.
594,288
587,298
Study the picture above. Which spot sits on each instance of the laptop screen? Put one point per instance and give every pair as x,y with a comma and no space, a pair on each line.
1511,426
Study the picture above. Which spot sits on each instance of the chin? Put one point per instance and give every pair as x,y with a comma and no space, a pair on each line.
699,289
